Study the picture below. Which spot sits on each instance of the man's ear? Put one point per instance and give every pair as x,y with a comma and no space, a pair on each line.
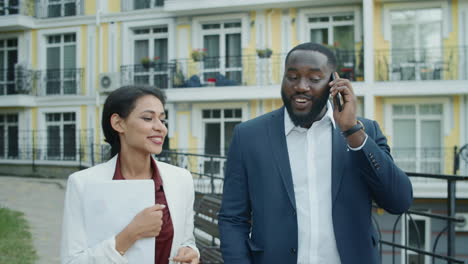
117,123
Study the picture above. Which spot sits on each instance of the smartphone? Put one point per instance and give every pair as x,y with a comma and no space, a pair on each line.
337,98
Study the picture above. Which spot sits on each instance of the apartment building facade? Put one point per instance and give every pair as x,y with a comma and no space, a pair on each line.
221,63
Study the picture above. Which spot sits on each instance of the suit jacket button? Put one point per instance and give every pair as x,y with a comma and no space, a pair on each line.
294,212
293,251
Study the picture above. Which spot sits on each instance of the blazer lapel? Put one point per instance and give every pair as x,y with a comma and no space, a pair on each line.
280,151
339,148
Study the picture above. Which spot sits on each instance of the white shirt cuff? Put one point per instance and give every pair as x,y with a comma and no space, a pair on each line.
360,147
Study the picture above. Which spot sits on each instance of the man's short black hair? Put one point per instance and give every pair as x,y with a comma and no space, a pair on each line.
316,47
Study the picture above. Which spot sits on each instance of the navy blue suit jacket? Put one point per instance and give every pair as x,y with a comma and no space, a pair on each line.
257,220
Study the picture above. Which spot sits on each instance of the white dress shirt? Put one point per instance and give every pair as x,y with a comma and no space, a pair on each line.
310,156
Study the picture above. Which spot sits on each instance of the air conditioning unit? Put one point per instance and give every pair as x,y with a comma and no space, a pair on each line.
109,81
462,227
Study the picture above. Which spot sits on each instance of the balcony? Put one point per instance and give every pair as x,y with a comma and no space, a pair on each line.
129,5
64,8
248,70
16,15
428,64
155,74
61,82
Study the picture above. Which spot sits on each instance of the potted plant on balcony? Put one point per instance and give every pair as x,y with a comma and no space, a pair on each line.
264,53
198,54
145,62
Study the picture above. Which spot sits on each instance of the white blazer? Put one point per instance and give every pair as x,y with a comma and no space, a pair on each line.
178,188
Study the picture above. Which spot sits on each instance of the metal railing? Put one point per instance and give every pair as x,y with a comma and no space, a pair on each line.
128,5
420,64
18,81
63,8
62,81
418,251
155,74
209,177
245,70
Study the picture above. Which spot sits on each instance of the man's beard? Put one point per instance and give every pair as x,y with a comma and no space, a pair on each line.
306,119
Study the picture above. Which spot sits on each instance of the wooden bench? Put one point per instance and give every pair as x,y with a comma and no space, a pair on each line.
206,220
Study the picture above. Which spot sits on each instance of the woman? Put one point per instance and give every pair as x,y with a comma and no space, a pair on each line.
133,123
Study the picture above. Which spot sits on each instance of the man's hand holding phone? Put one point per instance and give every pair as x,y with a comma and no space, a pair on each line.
346,116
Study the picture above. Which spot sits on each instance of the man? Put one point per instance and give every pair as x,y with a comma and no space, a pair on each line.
300,180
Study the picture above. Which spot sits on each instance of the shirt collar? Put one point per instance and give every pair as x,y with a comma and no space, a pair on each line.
289,125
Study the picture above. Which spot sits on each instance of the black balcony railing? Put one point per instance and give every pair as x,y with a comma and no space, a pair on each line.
62,81
155,74
448,63
17,81
128,5
64,8
9,7
228,71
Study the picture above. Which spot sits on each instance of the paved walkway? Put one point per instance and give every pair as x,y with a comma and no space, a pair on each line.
41,200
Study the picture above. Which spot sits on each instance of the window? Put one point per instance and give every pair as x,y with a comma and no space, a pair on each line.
8,136
223,60
418,236
218,130
60,8
8,59
417,137
62,76
142,4
151,43
9,7
61,136
336,31
416,44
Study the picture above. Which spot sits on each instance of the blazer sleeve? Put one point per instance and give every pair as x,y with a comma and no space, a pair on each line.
390,187
74,246
189,239
235,213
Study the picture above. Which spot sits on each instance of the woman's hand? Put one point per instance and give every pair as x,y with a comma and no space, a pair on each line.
186,255
146,223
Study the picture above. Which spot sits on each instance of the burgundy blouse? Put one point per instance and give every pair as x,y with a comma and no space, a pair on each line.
164,240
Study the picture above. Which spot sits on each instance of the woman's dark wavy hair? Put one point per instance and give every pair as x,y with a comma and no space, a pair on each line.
122,102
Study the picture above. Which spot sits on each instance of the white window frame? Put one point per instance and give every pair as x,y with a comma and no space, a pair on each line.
128,37
388,9
42,56
405,221
303,25
445,119
6,124
5,49
150,37
7,6
221,32
45,7
42,128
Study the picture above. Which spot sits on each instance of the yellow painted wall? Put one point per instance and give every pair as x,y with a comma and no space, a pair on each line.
452,140
34,48
253,108
379,116
84,52
275,21
90,7
249,71
96,58
381,46
113,6
450,45
293,29
118,45
105,46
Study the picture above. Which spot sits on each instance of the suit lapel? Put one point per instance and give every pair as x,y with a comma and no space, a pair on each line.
339,148
280,151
